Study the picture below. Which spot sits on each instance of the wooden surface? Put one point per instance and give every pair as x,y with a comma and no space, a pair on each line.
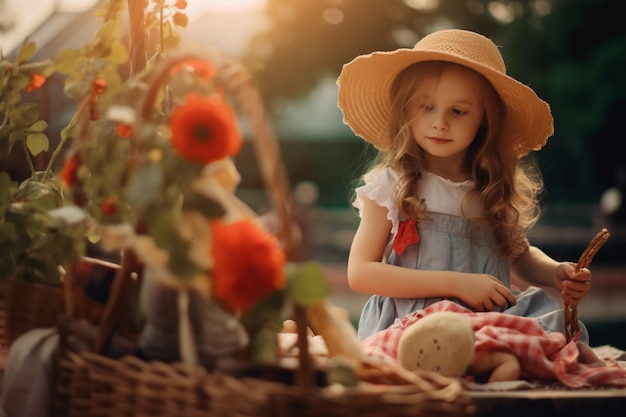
533,402
553,403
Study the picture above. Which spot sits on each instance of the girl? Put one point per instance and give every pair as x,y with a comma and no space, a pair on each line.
447,205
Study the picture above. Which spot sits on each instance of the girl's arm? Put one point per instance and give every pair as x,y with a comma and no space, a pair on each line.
367,274
537,268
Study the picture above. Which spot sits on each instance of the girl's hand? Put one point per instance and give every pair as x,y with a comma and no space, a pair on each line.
573,285
484,292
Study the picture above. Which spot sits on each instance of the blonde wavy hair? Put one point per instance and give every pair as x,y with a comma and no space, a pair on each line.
507,186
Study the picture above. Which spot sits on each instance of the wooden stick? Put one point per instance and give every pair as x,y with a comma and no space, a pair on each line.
304,373
571,313
594,246
119,289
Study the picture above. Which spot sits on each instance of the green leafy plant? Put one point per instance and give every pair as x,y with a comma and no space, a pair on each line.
38,234
152,163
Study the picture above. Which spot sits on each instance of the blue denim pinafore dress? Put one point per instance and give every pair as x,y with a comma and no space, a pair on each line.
447,242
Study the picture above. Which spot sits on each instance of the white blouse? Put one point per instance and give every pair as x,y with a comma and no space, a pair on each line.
440,194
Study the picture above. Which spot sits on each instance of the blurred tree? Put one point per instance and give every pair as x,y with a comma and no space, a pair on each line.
576,61
572,52
312,38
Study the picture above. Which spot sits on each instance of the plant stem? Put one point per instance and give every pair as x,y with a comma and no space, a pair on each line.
38,66
58,149
161,20
29,160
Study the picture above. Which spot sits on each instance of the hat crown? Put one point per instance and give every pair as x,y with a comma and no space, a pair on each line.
465,44
365,82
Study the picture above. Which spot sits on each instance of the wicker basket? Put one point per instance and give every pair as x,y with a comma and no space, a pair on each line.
97,386
91,384
25,306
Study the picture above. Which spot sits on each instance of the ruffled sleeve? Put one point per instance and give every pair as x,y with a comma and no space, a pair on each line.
379,186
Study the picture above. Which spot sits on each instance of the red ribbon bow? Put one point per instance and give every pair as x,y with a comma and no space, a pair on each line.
407,235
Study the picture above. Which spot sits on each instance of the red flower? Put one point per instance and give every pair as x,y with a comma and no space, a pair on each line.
98,86
124,130
70,169
36,81
109,207
204,129
180,19
248,264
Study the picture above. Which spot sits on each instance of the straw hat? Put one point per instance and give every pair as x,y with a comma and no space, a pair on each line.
365,82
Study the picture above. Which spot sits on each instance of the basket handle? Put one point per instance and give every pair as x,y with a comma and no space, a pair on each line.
248,100
130,268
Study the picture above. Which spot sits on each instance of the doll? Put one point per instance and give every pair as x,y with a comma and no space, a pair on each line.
444,342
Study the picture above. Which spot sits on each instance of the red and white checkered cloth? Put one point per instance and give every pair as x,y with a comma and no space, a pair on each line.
542,355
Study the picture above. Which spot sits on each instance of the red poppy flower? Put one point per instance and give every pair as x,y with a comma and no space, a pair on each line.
70,169
124,130
109,207
204,129
248,264
36,81
180,19
98,86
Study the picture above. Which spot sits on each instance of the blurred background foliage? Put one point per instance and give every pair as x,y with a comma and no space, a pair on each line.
572,52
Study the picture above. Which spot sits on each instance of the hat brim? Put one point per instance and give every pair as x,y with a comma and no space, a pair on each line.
363,97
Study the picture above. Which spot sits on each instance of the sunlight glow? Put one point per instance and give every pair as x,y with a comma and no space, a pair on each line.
74,6
425,5
475,6
30,14
542,7
505,12
225,6
333,15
